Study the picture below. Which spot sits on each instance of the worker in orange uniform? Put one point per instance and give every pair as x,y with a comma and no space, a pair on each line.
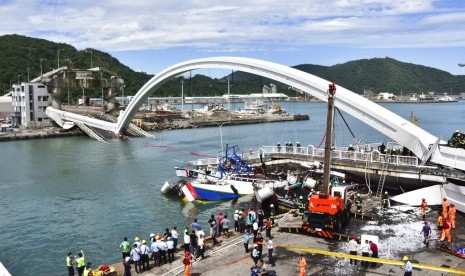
446,231
444,207
187,261
302,265
423,208
452,212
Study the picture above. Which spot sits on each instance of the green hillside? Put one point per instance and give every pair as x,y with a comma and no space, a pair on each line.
20,55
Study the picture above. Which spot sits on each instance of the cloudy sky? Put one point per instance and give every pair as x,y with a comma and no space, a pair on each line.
151,35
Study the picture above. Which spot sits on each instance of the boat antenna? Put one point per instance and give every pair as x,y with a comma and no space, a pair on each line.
329,124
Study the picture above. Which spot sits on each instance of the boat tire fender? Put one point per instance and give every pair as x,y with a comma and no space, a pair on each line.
234,189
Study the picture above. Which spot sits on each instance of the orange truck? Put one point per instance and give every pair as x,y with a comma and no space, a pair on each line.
329,212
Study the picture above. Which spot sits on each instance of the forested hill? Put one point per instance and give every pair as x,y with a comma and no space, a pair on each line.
388,75
18,53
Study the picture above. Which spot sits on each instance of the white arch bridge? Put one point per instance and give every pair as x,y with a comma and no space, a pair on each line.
421,143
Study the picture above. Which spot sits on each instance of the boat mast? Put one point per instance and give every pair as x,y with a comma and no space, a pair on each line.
329,128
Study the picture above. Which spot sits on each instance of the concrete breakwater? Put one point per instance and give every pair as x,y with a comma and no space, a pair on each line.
38,134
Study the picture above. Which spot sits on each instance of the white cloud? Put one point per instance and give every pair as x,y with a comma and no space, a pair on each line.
238,26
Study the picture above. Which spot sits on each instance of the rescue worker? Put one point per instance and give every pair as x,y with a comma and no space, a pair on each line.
187,261
272,215
302,265
88,270
444,207
278,145
440,222
69,263
80,263
407,266
385,201
358,203
301,207
452,213
423,208
446,231
353,246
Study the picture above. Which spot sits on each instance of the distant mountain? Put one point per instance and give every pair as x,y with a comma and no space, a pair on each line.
380,75
20,56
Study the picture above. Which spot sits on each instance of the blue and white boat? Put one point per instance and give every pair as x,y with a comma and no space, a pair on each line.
233,186
225,178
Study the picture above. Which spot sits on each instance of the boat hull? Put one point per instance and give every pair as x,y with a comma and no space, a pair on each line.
213,192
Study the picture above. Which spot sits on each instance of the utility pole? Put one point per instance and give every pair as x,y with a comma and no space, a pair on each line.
58,57
329,128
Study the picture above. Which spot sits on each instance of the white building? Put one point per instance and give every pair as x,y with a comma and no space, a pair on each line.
30,100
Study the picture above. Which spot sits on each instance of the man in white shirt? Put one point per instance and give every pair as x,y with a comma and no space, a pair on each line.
155,252
163,248
365,253
145,250
353,248
170,246
187,240
201,240
175,236
269,245
255,230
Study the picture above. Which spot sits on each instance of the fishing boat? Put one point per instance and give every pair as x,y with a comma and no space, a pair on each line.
233,186
225,178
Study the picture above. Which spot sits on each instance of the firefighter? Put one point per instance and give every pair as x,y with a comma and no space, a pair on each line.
301,207
423,208
452,212
272,215
440,222
444,207
358,203
446,231
385,201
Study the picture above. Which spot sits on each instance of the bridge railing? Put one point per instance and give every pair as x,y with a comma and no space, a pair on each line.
204,162
372,156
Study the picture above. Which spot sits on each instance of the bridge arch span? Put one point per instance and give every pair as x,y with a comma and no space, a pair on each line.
383,120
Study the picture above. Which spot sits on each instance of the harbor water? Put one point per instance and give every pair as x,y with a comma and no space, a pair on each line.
72,194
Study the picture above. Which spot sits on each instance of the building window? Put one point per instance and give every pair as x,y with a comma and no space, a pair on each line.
39,119
45,98
39,98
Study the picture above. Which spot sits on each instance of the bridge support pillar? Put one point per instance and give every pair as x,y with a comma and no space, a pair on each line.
56,94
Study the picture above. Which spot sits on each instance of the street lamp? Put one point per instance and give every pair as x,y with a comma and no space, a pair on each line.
58,57
221,134
182,94
19,75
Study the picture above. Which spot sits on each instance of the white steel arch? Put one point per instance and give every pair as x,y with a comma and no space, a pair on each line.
383,120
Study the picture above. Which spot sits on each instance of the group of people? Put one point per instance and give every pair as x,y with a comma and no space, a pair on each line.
365,248
289,147
160,249
78,262
446,220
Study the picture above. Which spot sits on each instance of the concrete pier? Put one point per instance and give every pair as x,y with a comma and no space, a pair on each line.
328,257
